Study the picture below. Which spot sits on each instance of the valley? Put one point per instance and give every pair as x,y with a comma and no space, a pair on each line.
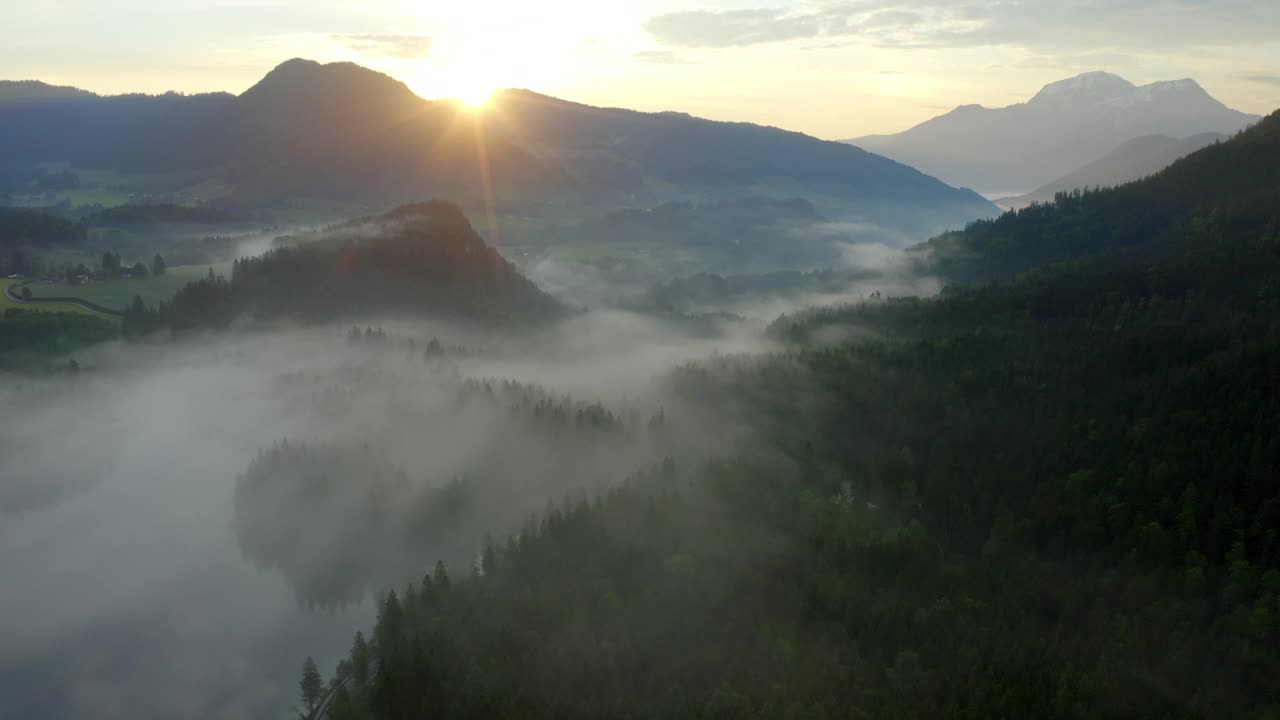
531,408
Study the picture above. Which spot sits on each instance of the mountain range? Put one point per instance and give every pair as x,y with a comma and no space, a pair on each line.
1224,191
1131,161
339,130
1011,150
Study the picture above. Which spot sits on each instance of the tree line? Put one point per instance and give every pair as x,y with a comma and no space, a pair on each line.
1054,497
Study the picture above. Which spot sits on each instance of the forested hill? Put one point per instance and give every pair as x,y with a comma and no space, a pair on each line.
1128,162
1229,188
20,226
1055,499
423,259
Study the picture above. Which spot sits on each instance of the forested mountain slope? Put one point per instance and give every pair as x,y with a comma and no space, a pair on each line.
1130,161
1055,498
422,260
1229,189
20,227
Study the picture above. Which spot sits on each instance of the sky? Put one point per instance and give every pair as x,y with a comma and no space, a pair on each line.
832,68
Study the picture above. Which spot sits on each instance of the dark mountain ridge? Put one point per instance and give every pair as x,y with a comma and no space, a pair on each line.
340,130
1222,190
26,90
1132,160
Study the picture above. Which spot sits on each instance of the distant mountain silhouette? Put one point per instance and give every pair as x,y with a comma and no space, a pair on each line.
340,130
1131,161
1019,147
613,150
26,90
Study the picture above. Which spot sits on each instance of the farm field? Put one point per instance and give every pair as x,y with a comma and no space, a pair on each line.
6,303
119,293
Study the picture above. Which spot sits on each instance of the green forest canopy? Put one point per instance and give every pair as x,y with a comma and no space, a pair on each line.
1056,498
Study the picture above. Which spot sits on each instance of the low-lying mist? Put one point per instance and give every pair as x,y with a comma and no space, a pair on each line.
146,577
184,517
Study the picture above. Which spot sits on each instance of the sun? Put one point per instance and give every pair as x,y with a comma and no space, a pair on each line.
475,96
471,81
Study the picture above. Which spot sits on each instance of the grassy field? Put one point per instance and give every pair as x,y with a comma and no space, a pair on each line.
119,293
6,303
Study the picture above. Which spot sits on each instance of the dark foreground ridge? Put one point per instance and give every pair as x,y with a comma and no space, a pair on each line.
1055,498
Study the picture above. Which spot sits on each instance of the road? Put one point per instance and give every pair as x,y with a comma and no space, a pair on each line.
322,708
83,304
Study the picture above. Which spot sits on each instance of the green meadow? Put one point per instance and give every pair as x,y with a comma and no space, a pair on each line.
119,293
6,303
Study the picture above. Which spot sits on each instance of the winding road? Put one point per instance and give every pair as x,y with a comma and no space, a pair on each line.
84,304
321,709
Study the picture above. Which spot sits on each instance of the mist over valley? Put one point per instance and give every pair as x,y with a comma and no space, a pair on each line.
327,400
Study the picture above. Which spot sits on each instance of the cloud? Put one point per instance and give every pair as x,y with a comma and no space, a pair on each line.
702,28
974,11
663,57
1067,25
892,18
1262,78
405,47
181,621
1072,62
